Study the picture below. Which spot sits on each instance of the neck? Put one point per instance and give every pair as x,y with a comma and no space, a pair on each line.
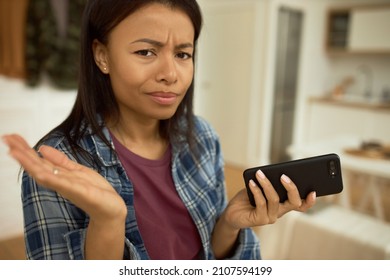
142,138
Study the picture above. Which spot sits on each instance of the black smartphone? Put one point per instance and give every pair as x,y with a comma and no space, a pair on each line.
321,174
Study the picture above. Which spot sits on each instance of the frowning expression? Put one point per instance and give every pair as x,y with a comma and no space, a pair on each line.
149,60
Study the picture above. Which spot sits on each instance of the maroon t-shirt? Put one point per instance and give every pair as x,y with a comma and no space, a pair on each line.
166,227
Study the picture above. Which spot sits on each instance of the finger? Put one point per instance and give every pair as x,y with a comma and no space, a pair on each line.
15,141
85,189
87,193
260,213
17,144
62,161
258,196
32,164
21,151
69,167
58,158
293,195
71,184
41,168
67,185
270,194
38,167
308,202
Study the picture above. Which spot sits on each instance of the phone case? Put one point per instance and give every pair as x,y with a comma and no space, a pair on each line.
320,173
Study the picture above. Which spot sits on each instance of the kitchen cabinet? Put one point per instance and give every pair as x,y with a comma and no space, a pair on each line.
360,29
329,118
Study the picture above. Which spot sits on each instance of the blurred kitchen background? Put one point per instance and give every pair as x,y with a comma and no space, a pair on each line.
278,79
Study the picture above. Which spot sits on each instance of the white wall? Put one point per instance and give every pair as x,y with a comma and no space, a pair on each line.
30,112
230,74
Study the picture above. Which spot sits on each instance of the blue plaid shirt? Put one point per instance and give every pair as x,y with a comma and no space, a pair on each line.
56,229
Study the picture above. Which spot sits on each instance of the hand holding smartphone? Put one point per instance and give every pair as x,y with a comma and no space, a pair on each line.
321,174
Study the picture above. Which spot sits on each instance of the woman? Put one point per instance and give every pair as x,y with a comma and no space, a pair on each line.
132,173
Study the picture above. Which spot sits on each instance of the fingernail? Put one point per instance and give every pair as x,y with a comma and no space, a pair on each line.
286,179
252,183
260,174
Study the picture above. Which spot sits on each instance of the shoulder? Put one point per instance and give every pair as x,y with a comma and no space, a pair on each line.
206,137
64,136
84,148
53,139
203,128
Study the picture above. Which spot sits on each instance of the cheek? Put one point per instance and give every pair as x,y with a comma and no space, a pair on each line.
187,77
124,75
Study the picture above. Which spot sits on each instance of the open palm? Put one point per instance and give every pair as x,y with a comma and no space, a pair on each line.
83,186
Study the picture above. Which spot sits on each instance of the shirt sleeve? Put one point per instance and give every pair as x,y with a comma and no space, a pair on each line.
54,227
75,241
131,252
248,246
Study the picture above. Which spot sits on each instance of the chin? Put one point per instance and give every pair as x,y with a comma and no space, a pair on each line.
165,116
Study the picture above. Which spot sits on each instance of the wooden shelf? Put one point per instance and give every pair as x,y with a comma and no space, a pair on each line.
352,104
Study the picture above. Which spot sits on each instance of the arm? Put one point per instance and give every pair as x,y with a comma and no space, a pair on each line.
105,240
83,187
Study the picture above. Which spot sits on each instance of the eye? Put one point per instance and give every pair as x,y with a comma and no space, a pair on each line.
184,55
145,52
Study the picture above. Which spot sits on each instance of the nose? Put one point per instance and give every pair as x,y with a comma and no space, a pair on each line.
167,72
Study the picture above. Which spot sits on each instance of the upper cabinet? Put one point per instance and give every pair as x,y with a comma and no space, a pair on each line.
361,29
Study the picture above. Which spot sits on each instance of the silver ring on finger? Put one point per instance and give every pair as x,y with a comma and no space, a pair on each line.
55,171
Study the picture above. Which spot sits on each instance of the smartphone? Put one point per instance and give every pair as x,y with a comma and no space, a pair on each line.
321,174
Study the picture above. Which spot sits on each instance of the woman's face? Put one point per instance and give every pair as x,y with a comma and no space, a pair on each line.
149,60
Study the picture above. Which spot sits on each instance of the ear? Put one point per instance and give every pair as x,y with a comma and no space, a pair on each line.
101,56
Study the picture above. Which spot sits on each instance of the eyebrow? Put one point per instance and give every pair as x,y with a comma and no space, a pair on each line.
160,44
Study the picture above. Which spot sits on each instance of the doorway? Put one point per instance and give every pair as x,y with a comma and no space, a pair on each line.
286,76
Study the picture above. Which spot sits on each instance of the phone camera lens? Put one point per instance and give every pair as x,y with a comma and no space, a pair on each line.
332,169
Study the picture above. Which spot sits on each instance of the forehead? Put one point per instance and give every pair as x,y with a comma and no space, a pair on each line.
155,21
